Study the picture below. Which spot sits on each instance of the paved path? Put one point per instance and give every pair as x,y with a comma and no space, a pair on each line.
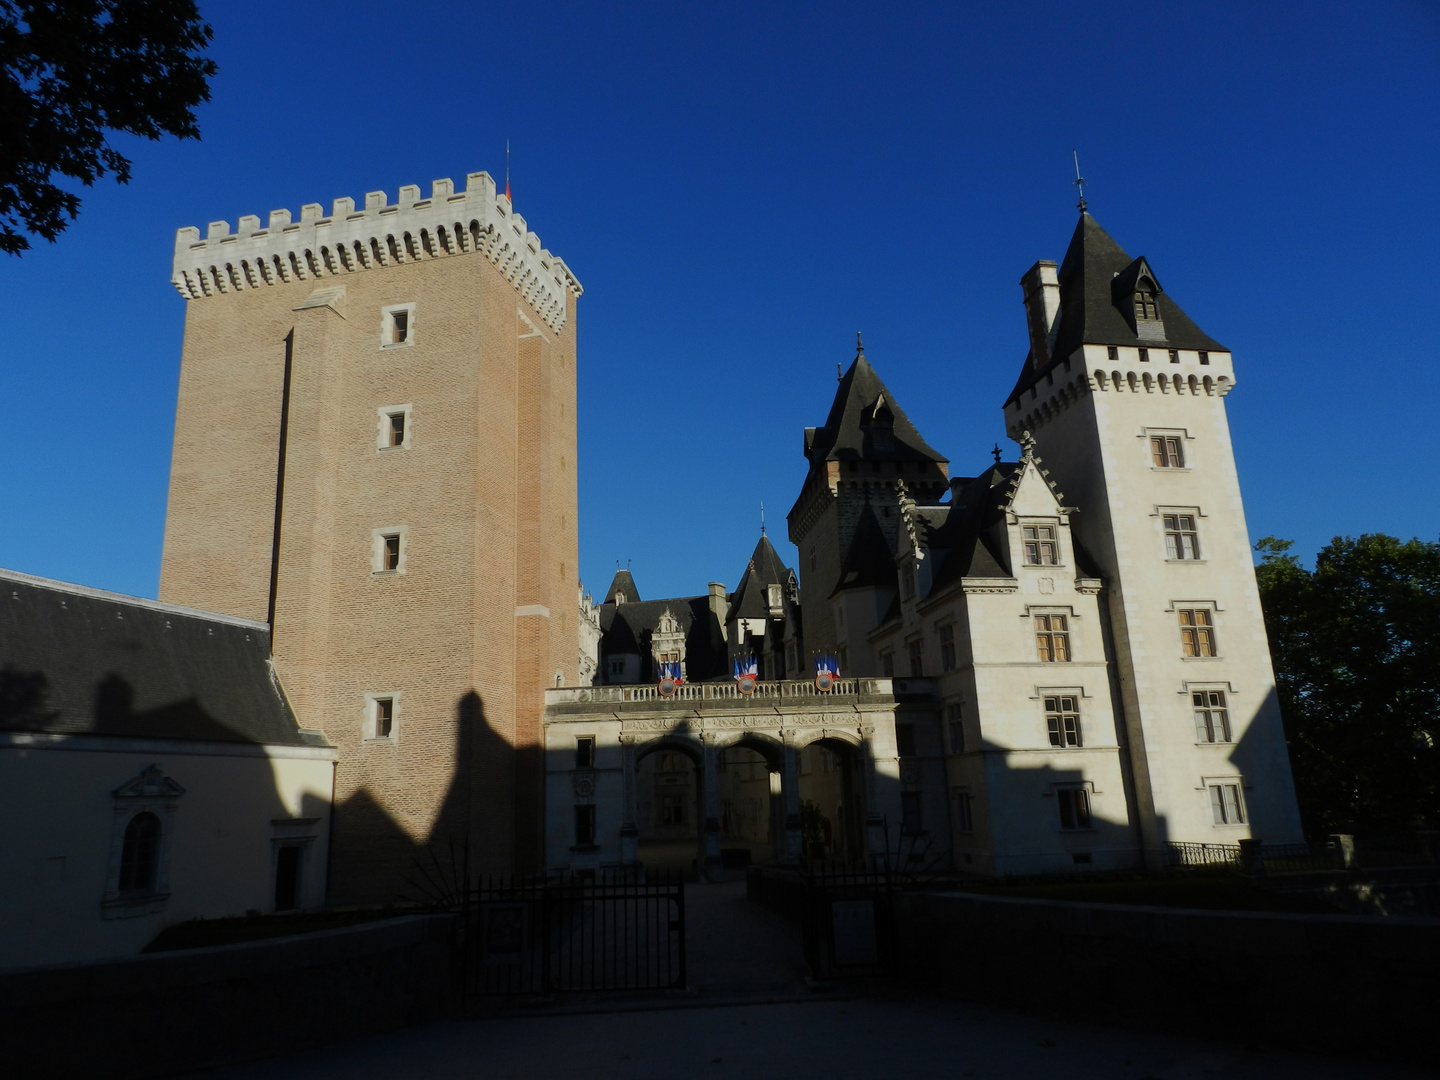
748,1015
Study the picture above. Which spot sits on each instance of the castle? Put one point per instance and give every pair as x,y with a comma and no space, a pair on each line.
1057,662
370,583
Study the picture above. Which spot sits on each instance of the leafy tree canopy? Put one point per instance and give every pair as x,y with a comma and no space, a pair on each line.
73,70
1356,645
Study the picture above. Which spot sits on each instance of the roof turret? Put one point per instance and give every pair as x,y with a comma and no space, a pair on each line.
750,599
866,422
622,589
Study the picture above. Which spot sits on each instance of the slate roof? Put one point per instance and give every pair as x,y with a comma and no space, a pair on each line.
848,431
749,600
622,582
626,628
869,562
1094,269
79,661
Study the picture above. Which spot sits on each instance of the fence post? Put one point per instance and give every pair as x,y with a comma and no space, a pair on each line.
1252,856
1343,845
545,983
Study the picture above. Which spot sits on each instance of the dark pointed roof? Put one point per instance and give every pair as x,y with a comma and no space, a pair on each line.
851,432
765,568
622,582
79,661
869,562
1091,313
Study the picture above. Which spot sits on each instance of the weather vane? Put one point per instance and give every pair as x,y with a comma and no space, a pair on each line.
996,452
1078,182
762,519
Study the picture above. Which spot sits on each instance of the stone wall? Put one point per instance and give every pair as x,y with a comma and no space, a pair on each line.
166,1013
1322,984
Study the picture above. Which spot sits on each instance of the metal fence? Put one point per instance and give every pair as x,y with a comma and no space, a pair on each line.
538,935
1335,853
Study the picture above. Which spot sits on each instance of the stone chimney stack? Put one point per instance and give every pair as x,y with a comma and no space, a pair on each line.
719,605
1041,287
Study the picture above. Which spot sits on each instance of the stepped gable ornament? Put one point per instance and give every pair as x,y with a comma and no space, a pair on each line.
827,672
747,674
670,678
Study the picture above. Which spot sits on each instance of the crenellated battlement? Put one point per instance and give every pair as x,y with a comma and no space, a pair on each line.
381,233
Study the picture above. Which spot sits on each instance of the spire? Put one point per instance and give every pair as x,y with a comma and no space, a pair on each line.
1079,182
866,421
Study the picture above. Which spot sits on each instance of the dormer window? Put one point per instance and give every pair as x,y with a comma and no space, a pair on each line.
1145,302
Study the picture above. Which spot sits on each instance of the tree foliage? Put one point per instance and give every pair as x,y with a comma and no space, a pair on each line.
1357,664
70,72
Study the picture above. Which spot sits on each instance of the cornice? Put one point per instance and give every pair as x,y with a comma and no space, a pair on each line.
349,241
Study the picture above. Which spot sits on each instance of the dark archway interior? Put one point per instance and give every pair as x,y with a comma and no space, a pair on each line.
752,806
670,810
831,816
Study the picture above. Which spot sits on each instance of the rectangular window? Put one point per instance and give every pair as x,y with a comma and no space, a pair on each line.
1144,356
1040,548
843,656
584,826
964,811
916,650
384,718
585,752
395,435
399,327
1212,716
955,726
1205,358
617,667
1074,807
1174,356
910,814
390,555
672,809
287,877
1112,353
947,648
1226,804
1062,718
1181,539
1166,452
1052,638
887,665
1197,632
905,739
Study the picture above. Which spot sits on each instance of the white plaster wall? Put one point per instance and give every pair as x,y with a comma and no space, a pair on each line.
1099,451
61,809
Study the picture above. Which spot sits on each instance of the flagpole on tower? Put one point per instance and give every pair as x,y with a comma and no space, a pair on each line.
507,170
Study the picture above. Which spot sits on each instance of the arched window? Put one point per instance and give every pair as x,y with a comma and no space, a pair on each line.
1145,300
140,855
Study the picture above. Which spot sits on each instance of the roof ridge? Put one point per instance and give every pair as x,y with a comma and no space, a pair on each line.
136,601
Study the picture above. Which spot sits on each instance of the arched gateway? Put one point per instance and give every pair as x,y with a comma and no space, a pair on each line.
637,778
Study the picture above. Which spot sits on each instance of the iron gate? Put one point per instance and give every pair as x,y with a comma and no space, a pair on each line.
848,923
538,935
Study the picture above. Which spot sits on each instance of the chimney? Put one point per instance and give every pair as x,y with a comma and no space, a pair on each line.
718,605
1041,287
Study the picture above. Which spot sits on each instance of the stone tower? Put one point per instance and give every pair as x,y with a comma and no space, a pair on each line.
866,447
1125,397
375,453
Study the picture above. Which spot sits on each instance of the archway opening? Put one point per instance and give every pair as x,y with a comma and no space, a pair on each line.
670,814
831,815
752,806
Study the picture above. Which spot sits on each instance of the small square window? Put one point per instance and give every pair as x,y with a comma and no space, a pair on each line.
380,716
1212,716
1167,451
1144,356
1040,546
585,752
1226,804
905,739
1074,807
1062,719
1052,638
584,826
1205,359
964,811
397,326
393,430
1197,632
1174,356
1112,353
1182,541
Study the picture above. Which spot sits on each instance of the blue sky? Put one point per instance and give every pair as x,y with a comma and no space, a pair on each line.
740,187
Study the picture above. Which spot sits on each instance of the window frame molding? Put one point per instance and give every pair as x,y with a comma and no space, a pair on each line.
387,326
1227,780
1085,785
1053,523
377,549
1160,512
1212,606
1183,434
383,429
367,730
150,791
1072,630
